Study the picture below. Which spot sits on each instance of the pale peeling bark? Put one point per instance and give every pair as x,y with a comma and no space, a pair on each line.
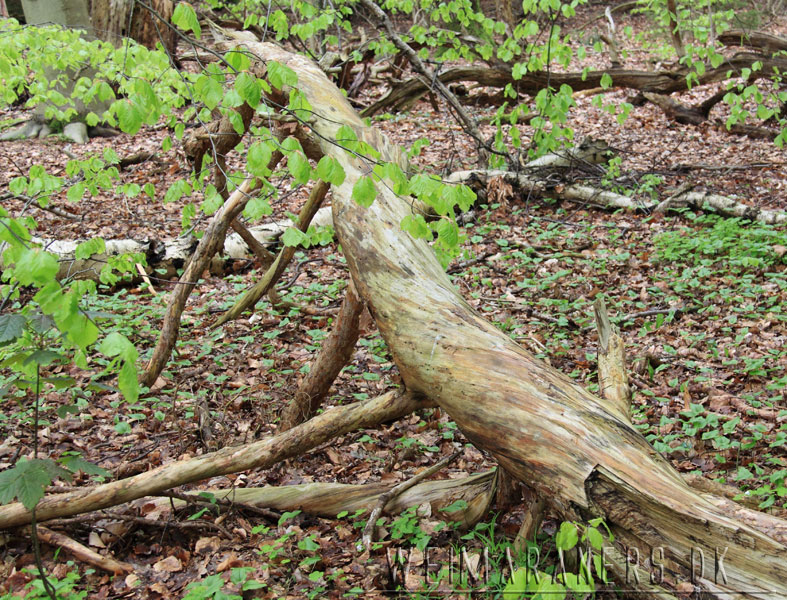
539,424
329,499
533,184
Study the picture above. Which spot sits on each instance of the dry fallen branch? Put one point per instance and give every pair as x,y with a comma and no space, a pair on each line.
208,246
83,553
262,454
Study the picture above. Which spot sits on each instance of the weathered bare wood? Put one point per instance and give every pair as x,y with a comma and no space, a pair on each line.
336,351
591,195
329,499
368,531
612,377
261,454
540,425
166,255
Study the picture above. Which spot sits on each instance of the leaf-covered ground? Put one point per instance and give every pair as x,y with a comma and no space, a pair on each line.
701,302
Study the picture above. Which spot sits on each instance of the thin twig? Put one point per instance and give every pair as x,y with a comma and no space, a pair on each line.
397,490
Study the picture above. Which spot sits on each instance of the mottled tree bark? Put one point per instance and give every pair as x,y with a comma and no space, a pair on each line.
574,448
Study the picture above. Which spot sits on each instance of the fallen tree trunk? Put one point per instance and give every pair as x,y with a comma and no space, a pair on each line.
662,82
169,255
761,40
695,115
571,446
722,205
577,450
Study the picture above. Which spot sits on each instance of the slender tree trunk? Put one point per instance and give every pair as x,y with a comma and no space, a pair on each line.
674,29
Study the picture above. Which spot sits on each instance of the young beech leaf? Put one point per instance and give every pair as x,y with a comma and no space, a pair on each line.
11,327
28,479
185,17
87,249
567,537
248,88
128,382
36,266
299,167
364,191
116,344
75,462
330,171
257,159
43,357
294,237
280,75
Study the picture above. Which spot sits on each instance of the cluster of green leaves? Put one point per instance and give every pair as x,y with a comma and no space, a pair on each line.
51,328
740,243
45,322
38,62
65,588
459,29
213,586
587,540
698,19
699,22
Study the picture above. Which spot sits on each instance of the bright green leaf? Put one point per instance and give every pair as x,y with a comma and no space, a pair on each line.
364,191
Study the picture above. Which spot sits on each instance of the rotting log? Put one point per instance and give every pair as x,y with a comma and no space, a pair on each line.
662,82
756,39
533,184
573,447
167,255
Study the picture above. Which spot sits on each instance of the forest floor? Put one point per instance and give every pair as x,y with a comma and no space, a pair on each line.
701,302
